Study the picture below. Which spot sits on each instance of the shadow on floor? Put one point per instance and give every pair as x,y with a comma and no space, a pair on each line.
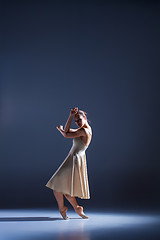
26,219
21,219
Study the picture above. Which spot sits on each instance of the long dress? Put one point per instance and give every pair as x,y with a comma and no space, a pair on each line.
71,177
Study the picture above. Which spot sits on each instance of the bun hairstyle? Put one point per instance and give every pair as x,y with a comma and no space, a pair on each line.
84,114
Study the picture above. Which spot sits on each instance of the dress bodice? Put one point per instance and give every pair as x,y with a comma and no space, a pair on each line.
78,146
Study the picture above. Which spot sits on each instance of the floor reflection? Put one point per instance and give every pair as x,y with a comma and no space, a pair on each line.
44,224
72,236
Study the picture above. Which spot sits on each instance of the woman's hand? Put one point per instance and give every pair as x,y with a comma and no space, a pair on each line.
60,127
73,111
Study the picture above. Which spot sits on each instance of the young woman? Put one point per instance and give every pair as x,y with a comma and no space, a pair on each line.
71,179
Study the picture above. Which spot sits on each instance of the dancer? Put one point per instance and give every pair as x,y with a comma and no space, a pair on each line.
71,179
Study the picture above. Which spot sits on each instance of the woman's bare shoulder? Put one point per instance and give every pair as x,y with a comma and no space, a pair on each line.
88,130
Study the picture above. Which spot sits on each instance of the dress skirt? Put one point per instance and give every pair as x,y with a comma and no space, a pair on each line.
71,177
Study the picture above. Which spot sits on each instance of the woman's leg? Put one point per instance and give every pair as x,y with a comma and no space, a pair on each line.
75,205
72,200
60,201
59,198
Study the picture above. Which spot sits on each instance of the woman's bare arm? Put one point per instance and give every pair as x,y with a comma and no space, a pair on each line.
73,130
70,130
69,120
68,123
78,133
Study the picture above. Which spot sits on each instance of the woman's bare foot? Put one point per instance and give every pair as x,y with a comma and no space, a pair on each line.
63,212
80,212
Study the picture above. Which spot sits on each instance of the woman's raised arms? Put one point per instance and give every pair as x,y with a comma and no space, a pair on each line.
73,133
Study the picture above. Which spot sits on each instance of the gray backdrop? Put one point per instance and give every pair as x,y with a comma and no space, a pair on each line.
101,57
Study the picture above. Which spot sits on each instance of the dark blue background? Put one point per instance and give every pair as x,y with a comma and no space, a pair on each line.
102,57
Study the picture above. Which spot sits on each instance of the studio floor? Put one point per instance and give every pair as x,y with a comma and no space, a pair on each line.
47,224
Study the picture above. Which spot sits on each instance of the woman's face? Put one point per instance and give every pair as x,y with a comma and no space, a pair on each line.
79,120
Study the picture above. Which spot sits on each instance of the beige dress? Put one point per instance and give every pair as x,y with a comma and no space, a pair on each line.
71,177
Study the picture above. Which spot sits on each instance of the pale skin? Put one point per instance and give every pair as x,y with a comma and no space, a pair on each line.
85,132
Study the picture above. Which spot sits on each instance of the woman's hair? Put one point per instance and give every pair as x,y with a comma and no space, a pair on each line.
84,114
